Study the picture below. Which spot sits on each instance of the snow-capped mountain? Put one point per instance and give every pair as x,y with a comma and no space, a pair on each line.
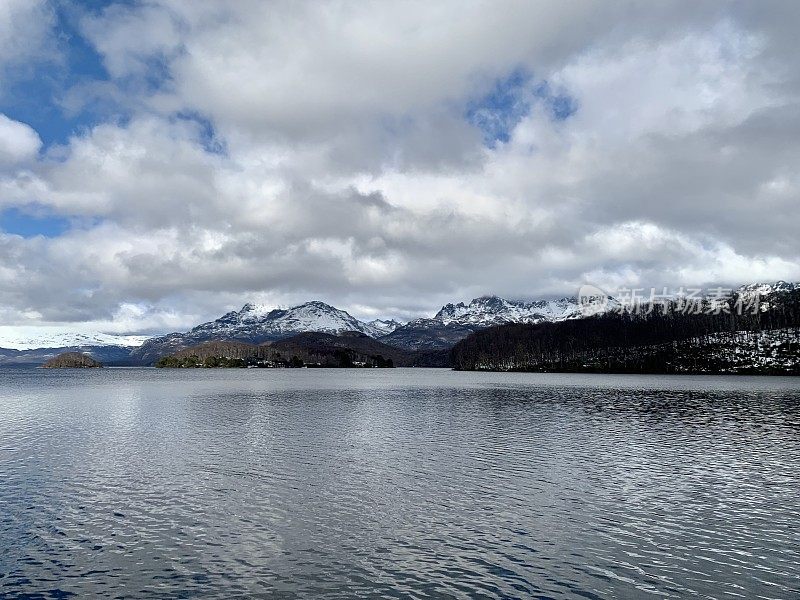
35,345
256,323
381,327
766,295
491,310
456,321
29,338
764,290
260,323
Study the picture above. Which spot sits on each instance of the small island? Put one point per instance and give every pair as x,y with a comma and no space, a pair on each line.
72,360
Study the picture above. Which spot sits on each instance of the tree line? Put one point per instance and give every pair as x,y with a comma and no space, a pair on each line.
657,340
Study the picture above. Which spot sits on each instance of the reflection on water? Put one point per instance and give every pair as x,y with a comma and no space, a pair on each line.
397,483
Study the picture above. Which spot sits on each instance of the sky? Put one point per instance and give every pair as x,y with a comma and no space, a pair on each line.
165,161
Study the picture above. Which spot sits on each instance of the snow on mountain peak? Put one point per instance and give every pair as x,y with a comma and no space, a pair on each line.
31,338
261,322
383,326
258,322
764,289
493,310
255,311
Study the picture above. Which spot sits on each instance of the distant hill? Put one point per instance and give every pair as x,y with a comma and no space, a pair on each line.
326,349
241,350
108,355
35,345
72,360
347,349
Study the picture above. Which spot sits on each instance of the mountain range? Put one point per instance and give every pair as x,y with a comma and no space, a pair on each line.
454,322
257,324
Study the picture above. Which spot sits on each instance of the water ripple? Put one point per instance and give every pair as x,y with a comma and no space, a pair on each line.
397,484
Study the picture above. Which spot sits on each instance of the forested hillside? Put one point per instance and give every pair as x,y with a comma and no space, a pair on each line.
349,349
661,340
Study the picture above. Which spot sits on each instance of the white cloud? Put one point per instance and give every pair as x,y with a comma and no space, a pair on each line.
132,39
18,142
24,26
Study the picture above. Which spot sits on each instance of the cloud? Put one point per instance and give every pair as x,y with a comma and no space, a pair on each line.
18,142
24,32
391,158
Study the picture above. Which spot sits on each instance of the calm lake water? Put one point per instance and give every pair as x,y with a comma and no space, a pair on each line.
405,483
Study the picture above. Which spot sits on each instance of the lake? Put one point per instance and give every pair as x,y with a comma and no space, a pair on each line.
397,483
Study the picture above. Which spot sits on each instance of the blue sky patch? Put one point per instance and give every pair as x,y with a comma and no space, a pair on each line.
30,223
511,99
34,93
502,108
559,106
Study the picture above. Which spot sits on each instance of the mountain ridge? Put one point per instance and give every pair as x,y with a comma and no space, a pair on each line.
454,322
256,323
27,338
